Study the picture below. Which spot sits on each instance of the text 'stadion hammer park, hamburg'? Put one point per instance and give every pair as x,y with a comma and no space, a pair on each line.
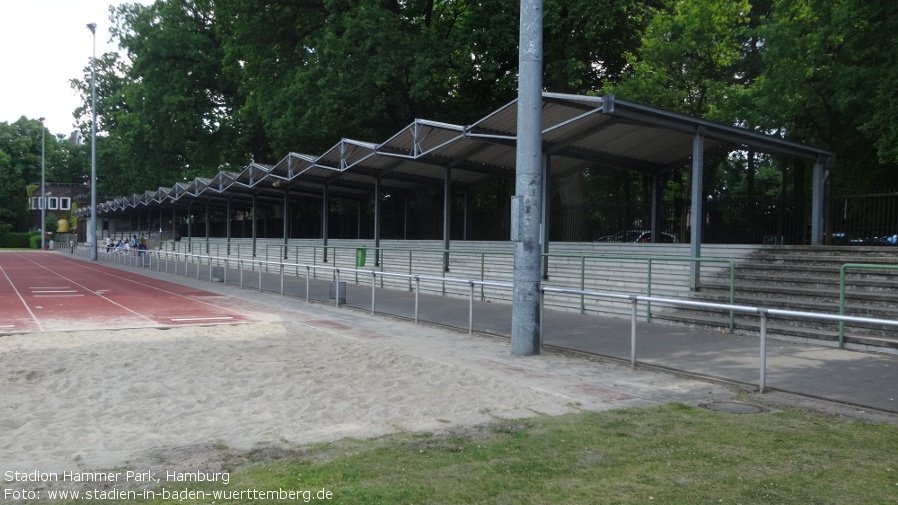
128,476
146,477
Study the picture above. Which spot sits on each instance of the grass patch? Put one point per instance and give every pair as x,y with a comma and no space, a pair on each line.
673,454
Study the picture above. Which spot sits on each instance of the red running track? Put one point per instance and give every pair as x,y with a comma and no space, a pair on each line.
41,291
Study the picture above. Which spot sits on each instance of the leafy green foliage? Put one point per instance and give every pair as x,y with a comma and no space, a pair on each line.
210,85
15,240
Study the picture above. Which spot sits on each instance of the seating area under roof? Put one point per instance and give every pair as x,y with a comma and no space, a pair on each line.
578,132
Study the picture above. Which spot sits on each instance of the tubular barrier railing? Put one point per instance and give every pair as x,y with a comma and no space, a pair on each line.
332,254
650,260
226,262
842,271
762,312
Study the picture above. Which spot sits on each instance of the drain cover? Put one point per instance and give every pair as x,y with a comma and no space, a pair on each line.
733,407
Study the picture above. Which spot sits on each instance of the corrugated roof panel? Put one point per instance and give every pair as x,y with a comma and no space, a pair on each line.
578,131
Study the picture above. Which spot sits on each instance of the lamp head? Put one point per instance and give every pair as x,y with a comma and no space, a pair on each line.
41,119
92,27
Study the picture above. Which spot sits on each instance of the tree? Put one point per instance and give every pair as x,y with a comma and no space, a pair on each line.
827,82
167,113
20,163
689,55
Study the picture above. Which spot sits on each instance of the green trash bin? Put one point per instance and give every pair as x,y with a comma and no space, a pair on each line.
360,254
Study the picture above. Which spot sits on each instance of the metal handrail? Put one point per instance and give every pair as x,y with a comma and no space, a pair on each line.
842,271
762,312
634,299
650,261
282,266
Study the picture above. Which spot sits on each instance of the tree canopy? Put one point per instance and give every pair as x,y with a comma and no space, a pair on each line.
207,85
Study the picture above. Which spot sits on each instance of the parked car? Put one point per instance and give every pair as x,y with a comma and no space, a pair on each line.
868,240
639,237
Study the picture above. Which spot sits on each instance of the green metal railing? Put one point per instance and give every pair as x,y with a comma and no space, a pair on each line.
650,261
336,253
842,272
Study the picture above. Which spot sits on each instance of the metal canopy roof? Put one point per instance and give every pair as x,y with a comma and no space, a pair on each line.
578,132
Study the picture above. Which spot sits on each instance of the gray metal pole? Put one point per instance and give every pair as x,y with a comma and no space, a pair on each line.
545,217
189,227
228,226
377,221
92,239
447,206
525,323
654,217
254,225
695,245
324,213
286,227
43,190
464,219
174,225
817,204
405,217
762,379
207,227
634,309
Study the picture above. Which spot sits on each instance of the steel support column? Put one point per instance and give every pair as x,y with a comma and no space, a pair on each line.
207,227
654,218
377,199
544,232
228,226
525,322
253,213
286,229
405,217
447,205
818,181
465,215
189,227
325,207
696,221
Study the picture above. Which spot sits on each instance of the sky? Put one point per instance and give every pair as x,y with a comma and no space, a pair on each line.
44,44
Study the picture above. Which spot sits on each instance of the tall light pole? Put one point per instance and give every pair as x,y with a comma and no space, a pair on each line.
43,191
526,338
92,238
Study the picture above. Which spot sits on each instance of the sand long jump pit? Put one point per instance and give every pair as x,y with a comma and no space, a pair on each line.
190,398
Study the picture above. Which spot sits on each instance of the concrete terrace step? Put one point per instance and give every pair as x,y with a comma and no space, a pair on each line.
798,278
825,294
794,278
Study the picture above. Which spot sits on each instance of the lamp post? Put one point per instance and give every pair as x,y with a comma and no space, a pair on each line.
92,229
43,191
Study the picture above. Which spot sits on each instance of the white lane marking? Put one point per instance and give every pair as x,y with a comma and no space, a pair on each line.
48,287
80,264
181,319
57,296
3,270
33,291
7,326
550,392
85,289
